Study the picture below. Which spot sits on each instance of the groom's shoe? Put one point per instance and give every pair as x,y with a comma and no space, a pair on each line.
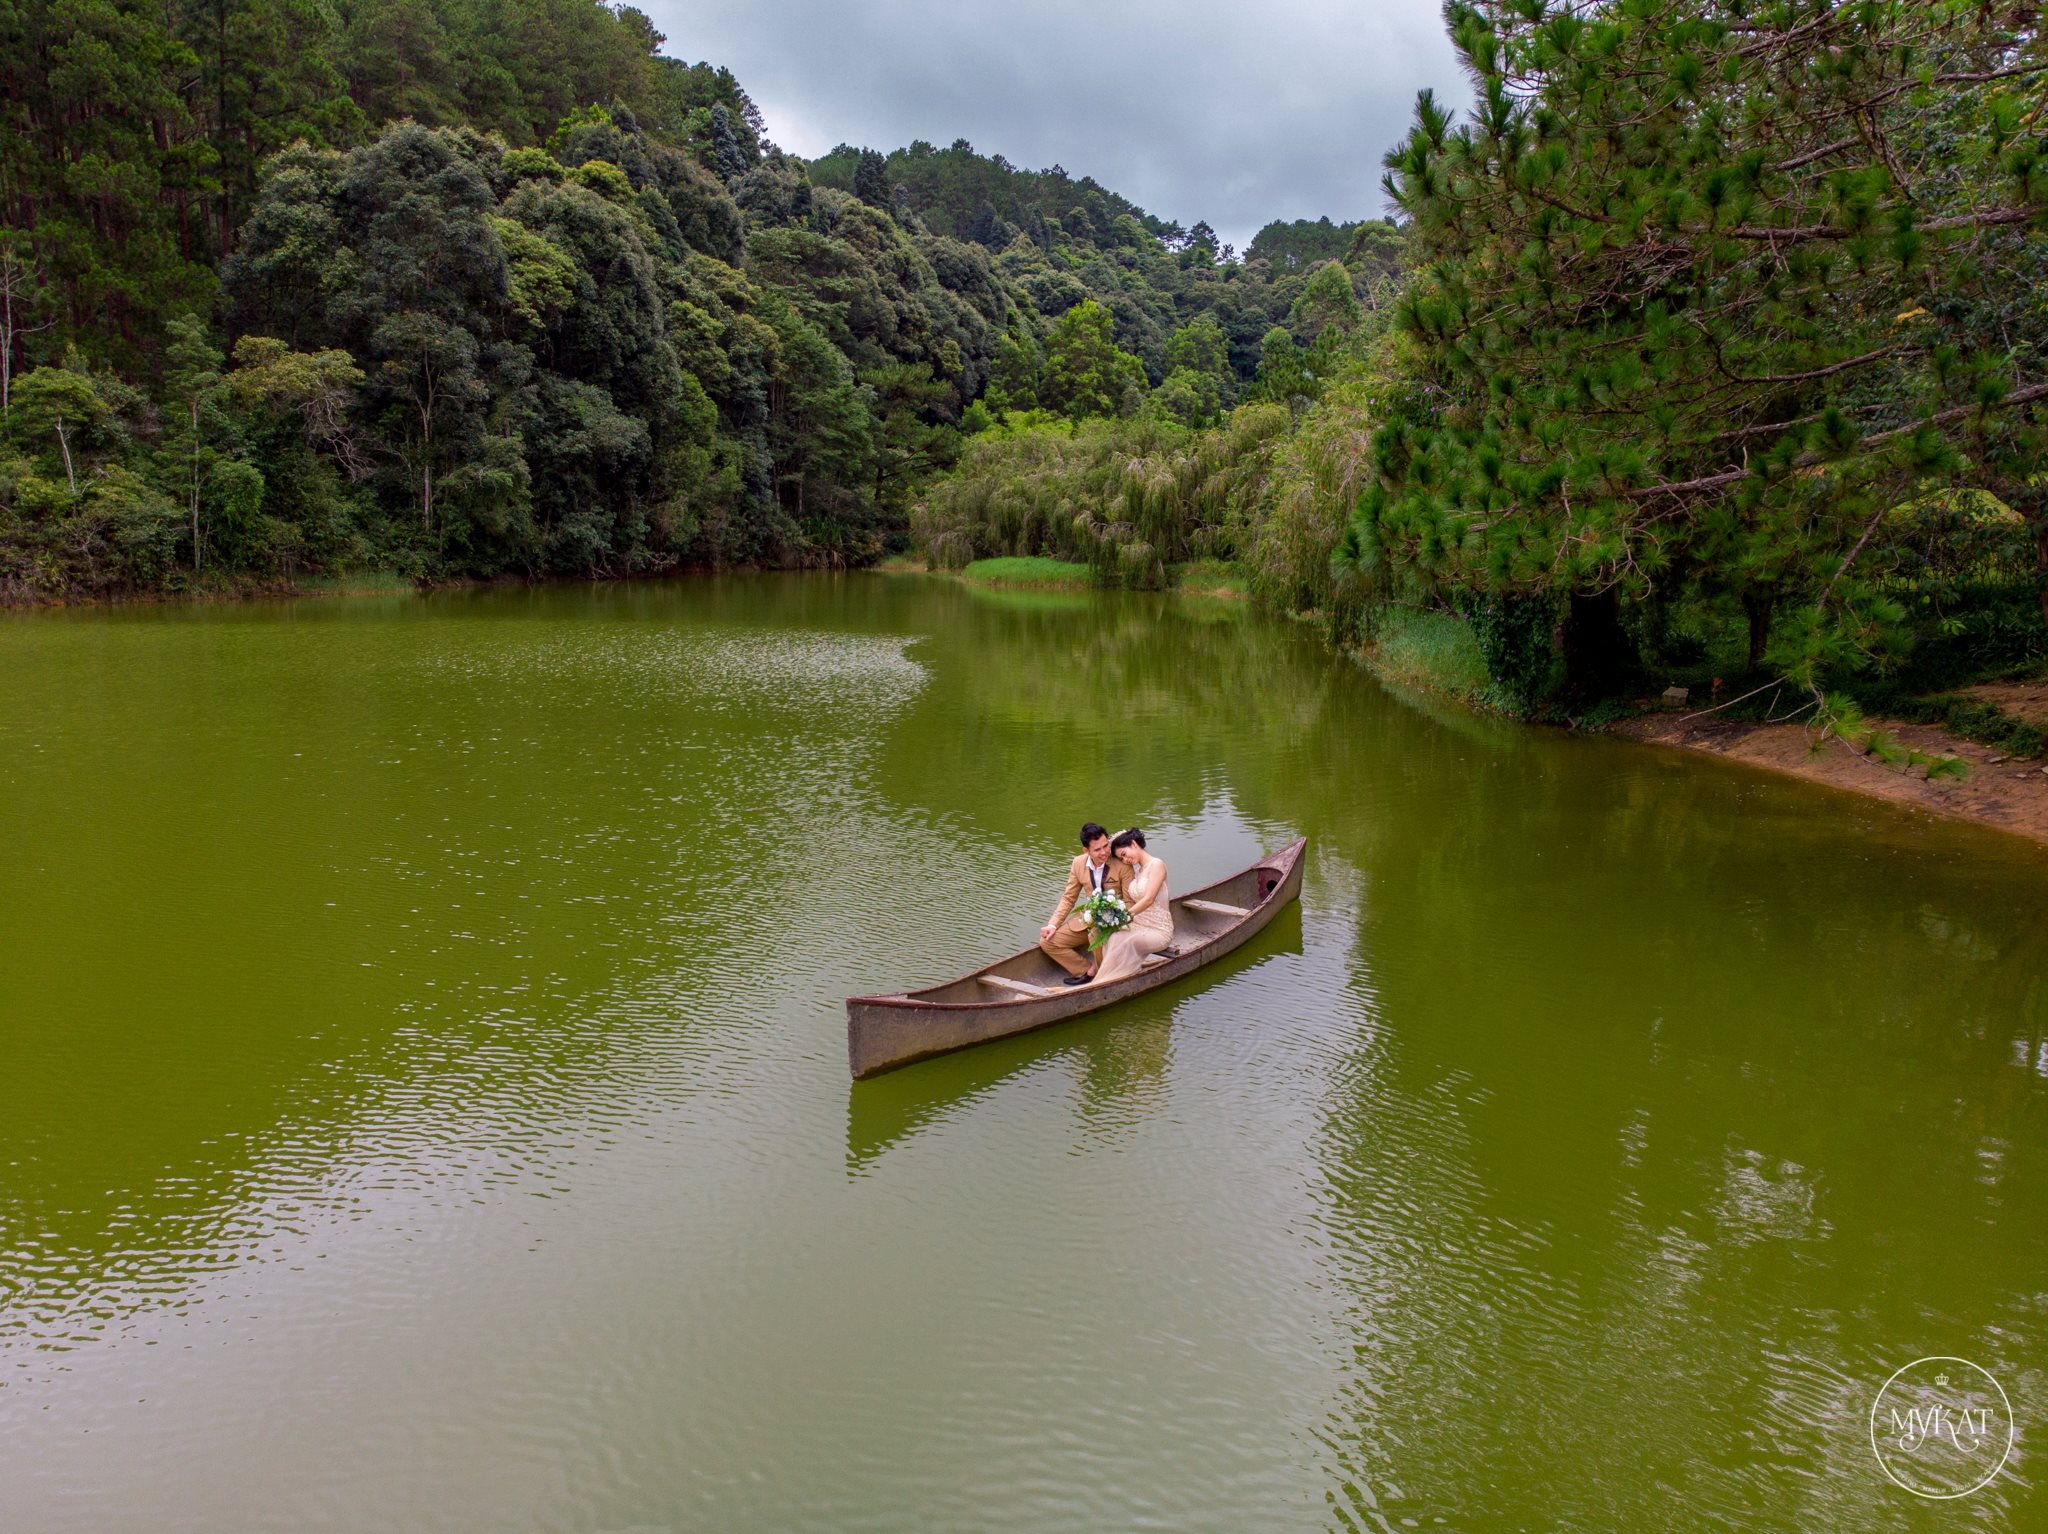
1075,980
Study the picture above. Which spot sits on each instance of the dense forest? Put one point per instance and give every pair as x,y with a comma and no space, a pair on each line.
463,288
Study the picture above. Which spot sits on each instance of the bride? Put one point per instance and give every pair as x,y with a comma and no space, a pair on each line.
1151,927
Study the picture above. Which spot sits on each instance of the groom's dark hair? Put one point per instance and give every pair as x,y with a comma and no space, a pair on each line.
1090,831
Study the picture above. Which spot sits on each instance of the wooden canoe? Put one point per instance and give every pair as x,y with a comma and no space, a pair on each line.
1024,991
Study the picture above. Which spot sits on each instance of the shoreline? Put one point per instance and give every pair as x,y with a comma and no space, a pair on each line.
1189,581
377,584
1999,789
2004,792
366,584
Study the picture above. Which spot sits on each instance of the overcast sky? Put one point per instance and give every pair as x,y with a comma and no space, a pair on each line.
1231,110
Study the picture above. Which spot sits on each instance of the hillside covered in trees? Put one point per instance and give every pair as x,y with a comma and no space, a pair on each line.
469,287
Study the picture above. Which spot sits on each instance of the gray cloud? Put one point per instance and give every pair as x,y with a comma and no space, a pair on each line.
1237,113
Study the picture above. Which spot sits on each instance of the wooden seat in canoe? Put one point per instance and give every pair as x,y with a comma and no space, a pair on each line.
1021,987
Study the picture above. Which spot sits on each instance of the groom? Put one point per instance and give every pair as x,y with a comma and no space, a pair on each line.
1064,939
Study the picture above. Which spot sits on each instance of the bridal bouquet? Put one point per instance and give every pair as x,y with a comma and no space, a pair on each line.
1105,913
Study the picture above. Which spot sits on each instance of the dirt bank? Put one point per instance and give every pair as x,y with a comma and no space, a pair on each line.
2010,793
2023,700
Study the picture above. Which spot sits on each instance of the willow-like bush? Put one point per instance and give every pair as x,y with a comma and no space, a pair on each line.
1270,489
1088,491
1288,536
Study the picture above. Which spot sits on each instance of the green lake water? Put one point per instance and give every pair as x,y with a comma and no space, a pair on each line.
423,1098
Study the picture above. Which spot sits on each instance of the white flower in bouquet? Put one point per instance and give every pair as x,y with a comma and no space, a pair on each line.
1105,913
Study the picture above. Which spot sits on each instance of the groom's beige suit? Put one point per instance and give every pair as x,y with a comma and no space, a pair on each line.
1068,945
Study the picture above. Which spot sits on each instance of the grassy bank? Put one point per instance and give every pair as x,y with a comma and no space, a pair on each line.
1029,570
1195,577
1432,651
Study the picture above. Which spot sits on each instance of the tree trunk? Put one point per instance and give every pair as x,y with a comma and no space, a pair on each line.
195,483
2041,562
1599,657
1758,607
64,446
425,405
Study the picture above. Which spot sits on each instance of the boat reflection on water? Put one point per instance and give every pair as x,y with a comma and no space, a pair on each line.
1118,1059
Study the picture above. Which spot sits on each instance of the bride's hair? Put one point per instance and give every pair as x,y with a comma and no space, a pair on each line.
1123,839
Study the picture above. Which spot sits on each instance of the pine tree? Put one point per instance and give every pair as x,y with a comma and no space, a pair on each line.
871,179
193,380
22,305
1086,372
728,159
1704,301
987,229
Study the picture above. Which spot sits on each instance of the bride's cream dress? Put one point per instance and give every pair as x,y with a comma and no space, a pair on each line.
1151,930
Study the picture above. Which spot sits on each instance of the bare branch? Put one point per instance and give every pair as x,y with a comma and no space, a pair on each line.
1948,417
1989,220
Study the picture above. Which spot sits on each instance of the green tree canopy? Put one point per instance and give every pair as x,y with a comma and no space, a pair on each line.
1086,372
1201,347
